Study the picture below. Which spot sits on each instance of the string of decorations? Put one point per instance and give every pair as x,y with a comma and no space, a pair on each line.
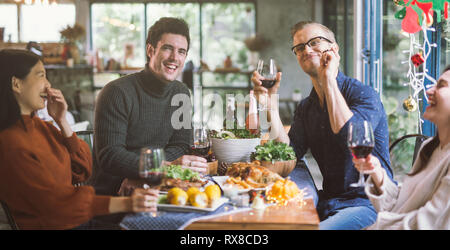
417,16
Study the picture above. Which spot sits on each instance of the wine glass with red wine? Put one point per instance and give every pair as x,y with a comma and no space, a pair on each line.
361,143
151,168
202,143
268,72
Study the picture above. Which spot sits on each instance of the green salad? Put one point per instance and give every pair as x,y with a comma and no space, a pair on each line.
177,172
234,134
273,151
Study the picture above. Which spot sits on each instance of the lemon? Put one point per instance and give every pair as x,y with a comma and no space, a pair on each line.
199,199
213,192
177,196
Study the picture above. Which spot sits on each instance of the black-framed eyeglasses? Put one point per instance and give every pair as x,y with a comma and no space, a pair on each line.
313,43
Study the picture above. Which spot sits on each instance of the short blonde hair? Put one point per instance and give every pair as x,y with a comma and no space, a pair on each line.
300,25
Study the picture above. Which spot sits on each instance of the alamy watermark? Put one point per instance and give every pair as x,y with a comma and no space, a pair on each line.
232,109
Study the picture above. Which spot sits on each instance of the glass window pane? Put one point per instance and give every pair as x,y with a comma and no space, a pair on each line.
42,23
394,43
8,20
118,33
188,12
225,27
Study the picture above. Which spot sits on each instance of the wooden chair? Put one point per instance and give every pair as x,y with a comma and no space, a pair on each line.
11,221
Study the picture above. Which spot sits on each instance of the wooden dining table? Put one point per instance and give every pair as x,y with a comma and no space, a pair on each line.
296,215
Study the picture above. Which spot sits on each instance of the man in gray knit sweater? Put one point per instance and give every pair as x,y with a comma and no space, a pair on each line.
137,111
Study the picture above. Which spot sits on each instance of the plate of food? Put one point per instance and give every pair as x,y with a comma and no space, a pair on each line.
246,176
183,178
192,200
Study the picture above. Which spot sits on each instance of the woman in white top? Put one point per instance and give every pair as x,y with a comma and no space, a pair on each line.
423,200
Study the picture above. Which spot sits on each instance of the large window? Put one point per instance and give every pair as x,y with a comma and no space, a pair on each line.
338,16
217,30
225,27
8,20
118,33
42,23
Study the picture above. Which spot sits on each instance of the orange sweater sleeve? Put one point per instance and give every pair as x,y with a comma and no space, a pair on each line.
45,201
80,157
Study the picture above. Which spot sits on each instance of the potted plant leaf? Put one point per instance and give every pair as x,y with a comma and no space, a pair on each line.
277,156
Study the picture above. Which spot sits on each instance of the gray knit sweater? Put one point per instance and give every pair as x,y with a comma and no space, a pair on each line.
132,112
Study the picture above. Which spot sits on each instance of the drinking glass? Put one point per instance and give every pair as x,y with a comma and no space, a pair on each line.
360,142
202,142
268,70
151,169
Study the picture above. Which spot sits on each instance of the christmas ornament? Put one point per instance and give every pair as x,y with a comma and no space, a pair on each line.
409,104
417,59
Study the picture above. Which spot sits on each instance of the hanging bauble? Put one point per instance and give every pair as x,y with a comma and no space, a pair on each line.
409,104
417,59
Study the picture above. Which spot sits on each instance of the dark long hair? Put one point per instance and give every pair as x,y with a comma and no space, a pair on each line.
428,149
17,63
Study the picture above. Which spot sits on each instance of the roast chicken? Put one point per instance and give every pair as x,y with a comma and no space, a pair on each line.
253,174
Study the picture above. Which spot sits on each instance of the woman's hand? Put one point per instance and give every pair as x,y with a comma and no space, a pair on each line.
263,94
370,165
144,200
57,109
195,163
56,105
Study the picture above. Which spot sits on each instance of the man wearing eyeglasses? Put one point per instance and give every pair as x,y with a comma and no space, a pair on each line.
321,123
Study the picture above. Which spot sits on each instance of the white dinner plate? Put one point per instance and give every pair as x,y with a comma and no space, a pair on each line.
189,209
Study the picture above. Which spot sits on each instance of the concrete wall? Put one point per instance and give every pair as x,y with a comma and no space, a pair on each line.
274,21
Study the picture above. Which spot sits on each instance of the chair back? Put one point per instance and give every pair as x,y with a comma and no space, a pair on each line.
11,221
419,140
88,137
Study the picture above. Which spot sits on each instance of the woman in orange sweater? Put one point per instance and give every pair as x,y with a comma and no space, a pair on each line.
38,163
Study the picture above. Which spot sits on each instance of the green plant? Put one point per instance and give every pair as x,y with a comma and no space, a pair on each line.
72,34
273,151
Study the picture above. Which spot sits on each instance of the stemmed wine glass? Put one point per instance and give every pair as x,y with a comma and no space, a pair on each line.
151,168
201,142
361,142
268,72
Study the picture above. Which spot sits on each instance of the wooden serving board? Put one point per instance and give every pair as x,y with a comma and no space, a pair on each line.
293,216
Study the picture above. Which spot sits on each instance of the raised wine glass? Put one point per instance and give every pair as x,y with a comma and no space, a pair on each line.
151,168
268,72
360,142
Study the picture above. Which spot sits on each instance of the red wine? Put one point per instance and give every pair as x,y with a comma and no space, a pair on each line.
201,151
361,151
268,83
153,178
